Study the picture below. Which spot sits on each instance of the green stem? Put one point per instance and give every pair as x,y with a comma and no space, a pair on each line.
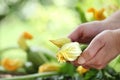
45,74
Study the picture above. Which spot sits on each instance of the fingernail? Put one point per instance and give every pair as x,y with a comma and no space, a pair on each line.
81,60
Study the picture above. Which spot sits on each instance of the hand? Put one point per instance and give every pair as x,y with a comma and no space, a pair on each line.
87,31
102,49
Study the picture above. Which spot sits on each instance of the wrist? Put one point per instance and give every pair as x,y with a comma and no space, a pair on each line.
112,22
117,35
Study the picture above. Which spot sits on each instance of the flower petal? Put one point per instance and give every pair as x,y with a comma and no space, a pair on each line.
81,70
60,42
69,52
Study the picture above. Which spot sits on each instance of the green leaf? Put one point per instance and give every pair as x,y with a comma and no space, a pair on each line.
83,46
81,13
67,68
91,74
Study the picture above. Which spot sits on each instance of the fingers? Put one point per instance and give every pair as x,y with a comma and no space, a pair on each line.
76,64
91,51
85,32
102,49
76,34
102,58
99,61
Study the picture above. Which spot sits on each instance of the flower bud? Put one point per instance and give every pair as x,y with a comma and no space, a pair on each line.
60,42
22,40
81,70
48,67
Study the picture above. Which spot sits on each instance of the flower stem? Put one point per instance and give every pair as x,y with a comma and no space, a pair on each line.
45,74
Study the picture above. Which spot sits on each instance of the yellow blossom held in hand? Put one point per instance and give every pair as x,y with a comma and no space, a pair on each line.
60,57
98,14
11,64
60,42
81,70
69,52
48,67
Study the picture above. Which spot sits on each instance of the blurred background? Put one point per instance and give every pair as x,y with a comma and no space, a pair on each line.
46,19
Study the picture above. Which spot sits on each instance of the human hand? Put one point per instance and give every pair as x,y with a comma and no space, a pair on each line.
102,49
100,46
87,31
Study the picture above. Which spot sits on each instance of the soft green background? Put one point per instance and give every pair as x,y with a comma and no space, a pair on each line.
44,19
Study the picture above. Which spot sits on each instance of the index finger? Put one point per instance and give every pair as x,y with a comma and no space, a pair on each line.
76,34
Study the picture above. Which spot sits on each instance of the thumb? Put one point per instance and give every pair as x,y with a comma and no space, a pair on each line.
89,53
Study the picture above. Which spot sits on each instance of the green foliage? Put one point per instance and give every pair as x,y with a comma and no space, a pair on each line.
67,69
81,14
49,19
83,46
107,73
90,74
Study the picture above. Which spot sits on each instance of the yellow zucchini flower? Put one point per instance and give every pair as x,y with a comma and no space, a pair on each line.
69,52
98,14
48,67
81,70
22,40
60,42
11,64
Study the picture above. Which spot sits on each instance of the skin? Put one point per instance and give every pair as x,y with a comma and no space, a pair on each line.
103,38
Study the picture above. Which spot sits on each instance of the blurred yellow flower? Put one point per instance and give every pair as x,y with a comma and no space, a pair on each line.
60,42
69,52
22,40
27,35
48,67
98,14
11,64
81,70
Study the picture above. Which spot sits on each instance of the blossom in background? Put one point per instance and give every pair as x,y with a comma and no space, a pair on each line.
11,64
48,67
98,14
27,35
22,40
81,70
